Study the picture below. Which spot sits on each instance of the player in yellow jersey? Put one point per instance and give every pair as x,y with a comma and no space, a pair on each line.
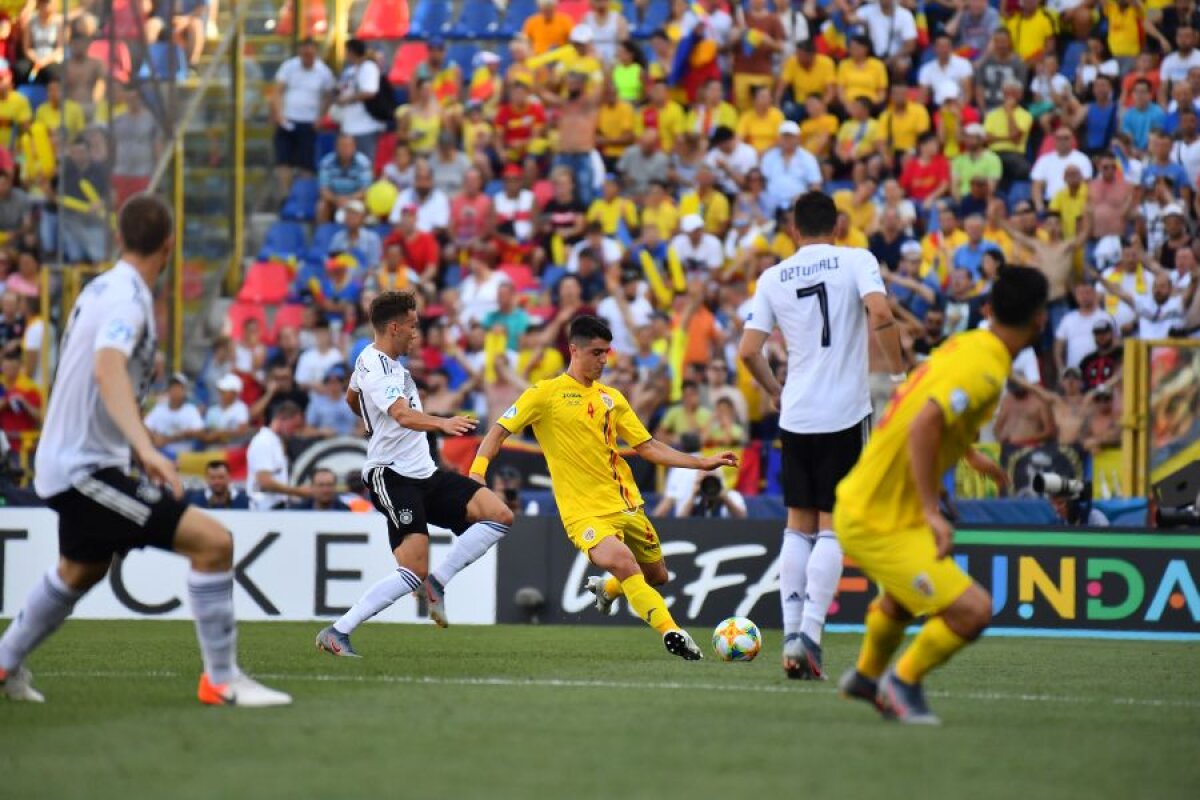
888,516
577,420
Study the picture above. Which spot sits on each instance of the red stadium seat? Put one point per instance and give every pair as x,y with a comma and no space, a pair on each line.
409,56
521,276
543,191
289,316
267,283
314,16
385,147
240,312
384,19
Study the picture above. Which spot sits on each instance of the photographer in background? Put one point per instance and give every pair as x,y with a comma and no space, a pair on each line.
710,499
1071,499
507,484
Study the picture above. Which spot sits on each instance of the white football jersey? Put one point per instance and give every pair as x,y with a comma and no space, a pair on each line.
816,299
380,381
115,310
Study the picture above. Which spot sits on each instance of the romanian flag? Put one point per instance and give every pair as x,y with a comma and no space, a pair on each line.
694,50
834,36
922,25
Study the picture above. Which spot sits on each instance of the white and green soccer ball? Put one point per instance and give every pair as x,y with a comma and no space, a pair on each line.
736,639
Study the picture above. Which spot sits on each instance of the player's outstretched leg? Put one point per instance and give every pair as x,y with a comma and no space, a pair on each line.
608,589
942,636
612,554
210,594
793,581
492,521
412,556
885,624
49,603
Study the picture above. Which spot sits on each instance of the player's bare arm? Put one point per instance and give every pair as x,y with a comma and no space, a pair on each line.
885,330
111,372
353,399
488,449
750,352
415,420
924,441
656,452
985,466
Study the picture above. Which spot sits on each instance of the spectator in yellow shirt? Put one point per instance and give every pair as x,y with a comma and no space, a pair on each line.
1007,127
710,204
819,128
805,73
58,112
663,115
859,204
903,122
659,211
616,122
548,29
1071,201
610,208
861,75
712,111
1032,30
846,235
759,127
858,139
1126,23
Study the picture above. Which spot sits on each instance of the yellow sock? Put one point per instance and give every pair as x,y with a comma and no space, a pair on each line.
648,604
883,636
612,587
933,646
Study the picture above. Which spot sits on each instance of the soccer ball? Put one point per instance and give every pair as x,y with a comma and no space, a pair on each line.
736,639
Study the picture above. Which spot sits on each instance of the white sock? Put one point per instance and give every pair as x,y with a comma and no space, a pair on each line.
210,595
793,575
50,601
468,547
824,572
382,594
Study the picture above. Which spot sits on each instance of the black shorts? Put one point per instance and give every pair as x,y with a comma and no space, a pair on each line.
411,505
298,147
815,463
110,513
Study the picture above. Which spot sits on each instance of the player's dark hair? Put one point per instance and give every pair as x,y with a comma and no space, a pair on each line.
356,46
585,328
218,463
815,214
145,224
1018,294
389,307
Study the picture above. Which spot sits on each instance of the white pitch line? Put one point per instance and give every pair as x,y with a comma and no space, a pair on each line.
667,686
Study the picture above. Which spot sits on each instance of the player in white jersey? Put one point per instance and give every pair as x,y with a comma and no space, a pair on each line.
821,299
405,484
92,429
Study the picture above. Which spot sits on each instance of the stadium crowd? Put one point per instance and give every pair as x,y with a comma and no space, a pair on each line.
594,164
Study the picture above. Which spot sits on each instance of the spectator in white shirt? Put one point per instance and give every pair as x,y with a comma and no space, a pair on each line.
1158,313
304,88
947,67
175,425
316,360
479,292
790,170
228,421
359,83
1176,66
625,305
892,30
605,248
697,250
432,205
1074,338
730,159
1049,171
267,463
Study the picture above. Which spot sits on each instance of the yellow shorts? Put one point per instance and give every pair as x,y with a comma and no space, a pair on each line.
631,527
904,562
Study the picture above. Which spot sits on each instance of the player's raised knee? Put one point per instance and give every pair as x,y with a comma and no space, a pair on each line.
503,515
205,542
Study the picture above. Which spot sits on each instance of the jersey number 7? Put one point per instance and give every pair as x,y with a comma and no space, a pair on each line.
818,291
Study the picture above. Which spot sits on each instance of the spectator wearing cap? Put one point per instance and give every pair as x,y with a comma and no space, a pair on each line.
228,420
304,88
327,411
514,207
643,164
175,425
1143,117
1007,129
356,238
1032,31
430,205
759,126
805,73
861,76
344,175
697,250
789,169
1102,366
218,492
945,69
730,160
1000,66
916,294
1101,117
972,26
706,201
359,82
1049,171
1073,337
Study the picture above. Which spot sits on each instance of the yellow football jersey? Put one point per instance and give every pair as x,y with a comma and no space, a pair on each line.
965,377
578,428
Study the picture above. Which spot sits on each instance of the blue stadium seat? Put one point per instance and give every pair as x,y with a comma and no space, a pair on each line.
35,93
463,54
655,16
284,239
431,19
478,19
322,237
301,203
514,18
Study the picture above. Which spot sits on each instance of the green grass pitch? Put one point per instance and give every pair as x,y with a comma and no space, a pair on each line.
558,712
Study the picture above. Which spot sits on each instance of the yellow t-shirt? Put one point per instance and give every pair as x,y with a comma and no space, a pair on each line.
672,122
937,250
904,128
14,110
1070,209
816,129
853,238
578,427
1029,35
550,365
1124,29
996,124
866,81
609,214
760,132
52,118
665,215
861,216
705,121
714,209
856,138
613,121
1001,239
545,36
964,377
782,246
805,82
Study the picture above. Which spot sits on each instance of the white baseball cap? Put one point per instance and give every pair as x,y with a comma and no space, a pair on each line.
230,383
582,34
1174,209
691,223
975,129
789,128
